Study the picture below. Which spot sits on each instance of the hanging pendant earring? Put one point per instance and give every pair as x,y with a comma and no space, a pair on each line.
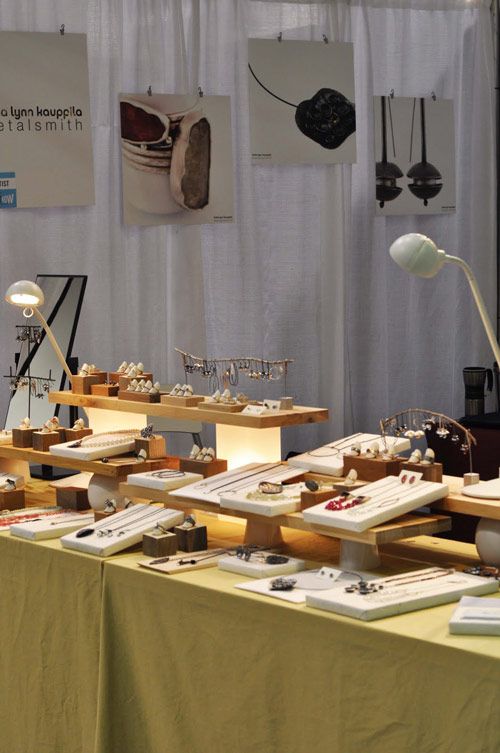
426,179
386,173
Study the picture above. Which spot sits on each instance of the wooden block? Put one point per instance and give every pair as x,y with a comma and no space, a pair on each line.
124,381
308,499
371,469
191,539
140,397
155,446
42,442
186,402
101,515
433,472
23,437
205,469
62,433
106,390
12,499
114,376
222,407
80,385
73,435
159,544
71,498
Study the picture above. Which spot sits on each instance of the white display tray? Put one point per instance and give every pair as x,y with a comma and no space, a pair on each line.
398,597
329,459
308,582
387,498
52,527
274,504
84,452
476,616
484,489
154,480
241,479
256,569
130,525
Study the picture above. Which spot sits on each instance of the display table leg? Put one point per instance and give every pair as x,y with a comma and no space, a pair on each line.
357,556
263,534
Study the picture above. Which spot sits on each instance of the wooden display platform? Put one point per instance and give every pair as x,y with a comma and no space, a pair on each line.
483,508
400,528
115,467
298,415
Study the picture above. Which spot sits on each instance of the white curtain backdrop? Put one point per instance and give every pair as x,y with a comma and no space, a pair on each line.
304,271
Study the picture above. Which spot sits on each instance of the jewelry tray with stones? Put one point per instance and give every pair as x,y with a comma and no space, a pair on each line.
247,476
51,526
377,502
329,459
402,593
121,530
251,499
163,480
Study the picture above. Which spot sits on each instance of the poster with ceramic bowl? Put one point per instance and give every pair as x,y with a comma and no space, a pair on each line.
176,159
302,107
414,155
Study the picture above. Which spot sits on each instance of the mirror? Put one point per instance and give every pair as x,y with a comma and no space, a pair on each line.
38,369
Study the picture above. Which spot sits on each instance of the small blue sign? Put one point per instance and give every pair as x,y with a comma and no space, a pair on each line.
8,191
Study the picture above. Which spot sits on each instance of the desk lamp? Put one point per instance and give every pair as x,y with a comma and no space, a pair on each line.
29,296
419,255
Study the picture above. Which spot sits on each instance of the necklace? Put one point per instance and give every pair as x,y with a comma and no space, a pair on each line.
260,472
341,444
130,512
233,475
268,478
380,501
69,519
125,527
99,440
166,474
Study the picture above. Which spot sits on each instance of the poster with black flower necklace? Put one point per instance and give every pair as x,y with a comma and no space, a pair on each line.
302,107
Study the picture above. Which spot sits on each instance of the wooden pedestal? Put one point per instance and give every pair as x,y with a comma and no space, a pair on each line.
73,435
12,499
80,385
263,534
184,402
191,539
433,472
106,390
155,446
223,407
371,469
70,498
140,397
159,544
124,381
186,465
42,442
308,499
23,437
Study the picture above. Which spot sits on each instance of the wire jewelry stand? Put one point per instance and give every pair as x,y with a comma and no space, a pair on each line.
37,386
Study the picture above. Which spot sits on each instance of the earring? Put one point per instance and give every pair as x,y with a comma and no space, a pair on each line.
386,173
427,180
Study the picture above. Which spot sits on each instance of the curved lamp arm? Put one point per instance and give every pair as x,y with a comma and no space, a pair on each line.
481,306
54,343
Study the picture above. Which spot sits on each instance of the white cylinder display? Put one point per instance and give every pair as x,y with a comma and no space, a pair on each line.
102,488
488,541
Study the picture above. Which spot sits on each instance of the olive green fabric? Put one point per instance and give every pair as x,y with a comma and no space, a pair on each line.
191,665
49,645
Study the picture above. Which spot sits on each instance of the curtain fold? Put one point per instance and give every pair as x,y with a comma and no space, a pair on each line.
304,271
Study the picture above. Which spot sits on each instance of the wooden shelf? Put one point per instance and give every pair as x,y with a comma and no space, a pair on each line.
483,508
115,467
400,528
296,416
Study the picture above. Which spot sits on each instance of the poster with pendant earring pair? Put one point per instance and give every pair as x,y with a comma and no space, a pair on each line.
414,155
302,107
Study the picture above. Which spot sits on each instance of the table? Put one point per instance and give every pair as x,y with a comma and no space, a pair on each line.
113,658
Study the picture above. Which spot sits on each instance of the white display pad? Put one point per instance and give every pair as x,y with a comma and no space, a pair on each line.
476,616
329,459
307,582
483,490
8,518
256,568
163,480
126,527
387,498
87,452
241,479
52,527
286,501
403,593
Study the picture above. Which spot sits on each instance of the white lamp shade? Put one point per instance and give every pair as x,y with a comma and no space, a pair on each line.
417,254
25,293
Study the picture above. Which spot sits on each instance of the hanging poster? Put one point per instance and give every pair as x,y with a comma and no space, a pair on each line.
45,142
414,155
176,159
302,107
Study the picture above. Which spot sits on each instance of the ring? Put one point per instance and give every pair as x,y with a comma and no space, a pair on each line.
268,487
